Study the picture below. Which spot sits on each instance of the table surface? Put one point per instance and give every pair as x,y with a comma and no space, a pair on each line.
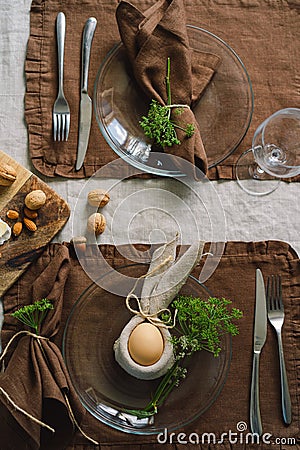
141,210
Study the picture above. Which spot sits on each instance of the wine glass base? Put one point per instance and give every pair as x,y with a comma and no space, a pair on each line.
251,178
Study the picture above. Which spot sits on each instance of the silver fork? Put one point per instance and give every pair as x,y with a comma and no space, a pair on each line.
276,317
61,110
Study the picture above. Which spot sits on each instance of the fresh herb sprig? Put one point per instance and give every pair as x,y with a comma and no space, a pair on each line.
34,314
157,125
200,326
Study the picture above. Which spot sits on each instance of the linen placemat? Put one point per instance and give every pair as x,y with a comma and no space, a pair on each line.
263,33
234,278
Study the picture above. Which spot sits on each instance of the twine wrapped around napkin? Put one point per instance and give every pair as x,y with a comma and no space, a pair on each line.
38,406
152,37
163,281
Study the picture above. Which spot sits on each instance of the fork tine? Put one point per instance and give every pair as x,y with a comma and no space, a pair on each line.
274,293
274,296
271,293
279,290
54,127
63,126
58,127
67,126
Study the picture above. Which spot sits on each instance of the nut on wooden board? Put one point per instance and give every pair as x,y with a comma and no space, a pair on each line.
7,174
29,224
30,213
17,229
35,199
18,251
12,214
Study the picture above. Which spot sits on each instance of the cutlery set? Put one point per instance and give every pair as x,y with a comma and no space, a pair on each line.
61,109
268,304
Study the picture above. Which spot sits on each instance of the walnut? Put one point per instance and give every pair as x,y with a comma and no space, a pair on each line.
96,224
7,174
35,199
98,197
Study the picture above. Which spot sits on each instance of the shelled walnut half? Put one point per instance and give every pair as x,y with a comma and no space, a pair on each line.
7,174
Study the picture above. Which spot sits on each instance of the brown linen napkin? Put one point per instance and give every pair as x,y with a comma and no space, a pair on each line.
152,37
36,379
234,279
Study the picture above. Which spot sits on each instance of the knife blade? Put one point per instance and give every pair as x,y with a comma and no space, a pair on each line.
85,114
260,334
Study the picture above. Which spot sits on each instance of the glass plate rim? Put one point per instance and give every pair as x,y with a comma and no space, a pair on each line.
123,428
155,171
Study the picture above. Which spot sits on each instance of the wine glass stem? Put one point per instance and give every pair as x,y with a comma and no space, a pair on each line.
259,170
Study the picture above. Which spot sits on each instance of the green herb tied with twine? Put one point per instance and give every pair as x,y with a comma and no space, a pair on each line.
200,326
34,314
157,125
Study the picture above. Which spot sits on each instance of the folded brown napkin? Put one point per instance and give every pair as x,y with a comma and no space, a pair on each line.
35,389
234,278
152,37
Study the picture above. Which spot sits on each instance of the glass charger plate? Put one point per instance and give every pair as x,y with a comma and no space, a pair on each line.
105,389
226,105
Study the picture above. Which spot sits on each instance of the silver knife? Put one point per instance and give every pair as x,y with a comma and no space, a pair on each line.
85,115
260,333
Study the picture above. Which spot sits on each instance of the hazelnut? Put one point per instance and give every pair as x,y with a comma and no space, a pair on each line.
7,174
98,197
96,224
35,199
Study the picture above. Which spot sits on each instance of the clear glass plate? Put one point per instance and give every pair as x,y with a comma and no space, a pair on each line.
105,389
227,104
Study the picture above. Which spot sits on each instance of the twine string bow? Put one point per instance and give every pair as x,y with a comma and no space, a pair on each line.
153,318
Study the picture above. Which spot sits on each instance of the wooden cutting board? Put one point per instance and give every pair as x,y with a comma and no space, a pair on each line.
18,252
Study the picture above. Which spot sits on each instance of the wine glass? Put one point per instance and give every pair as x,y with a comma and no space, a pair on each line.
275,153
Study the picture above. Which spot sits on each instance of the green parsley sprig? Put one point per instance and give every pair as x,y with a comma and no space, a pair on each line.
157,125
200,326
34,314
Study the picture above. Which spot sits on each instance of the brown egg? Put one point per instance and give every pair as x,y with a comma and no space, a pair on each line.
145,344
